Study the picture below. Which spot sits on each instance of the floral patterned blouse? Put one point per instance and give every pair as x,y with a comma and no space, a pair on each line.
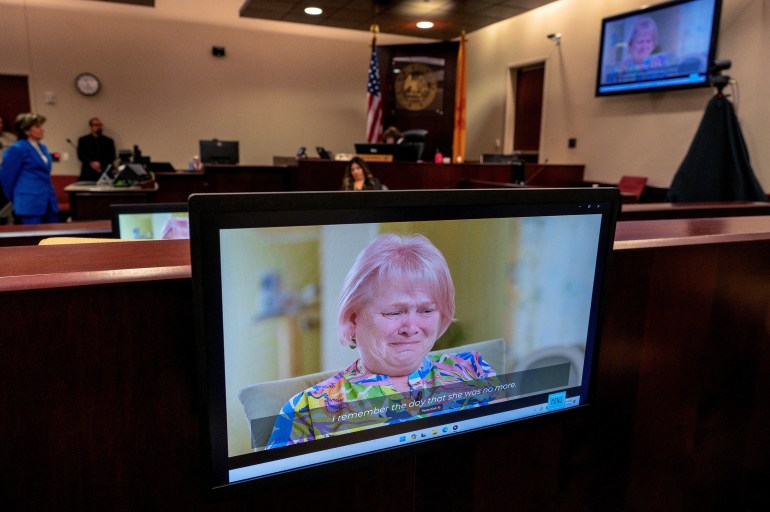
352,400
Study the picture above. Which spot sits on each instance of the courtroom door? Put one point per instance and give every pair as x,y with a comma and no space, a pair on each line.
528,107
14,98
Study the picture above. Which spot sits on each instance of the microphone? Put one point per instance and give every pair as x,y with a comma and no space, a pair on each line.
72,144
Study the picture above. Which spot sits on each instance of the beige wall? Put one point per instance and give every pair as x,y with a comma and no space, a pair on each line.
645,134
280,86
284,85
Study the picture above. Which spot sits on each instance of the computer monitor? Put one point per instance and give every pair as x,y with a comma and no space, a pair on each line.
219,151
364,148
150,221
283,397
669,45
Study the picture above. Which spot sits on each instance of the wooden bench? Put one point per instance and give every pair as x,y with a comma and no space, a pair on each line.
32,234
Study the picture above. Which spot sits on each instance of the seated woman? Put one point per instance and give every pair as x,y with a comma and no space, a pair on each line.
392,135
359,177
397,300
641,44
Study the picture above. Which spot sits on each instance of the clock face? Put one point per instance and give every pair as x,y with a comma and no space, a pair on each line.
87,84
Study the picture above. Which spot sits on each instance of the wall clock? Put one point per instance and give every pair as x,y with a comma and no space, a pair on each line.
87,84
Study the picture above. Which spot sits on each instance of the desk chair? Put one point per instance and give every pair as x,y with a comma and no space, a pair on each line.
631,188
262,401
414,140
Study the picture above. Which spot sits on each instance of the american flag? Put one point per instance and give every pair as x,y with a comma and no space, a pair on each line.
373,97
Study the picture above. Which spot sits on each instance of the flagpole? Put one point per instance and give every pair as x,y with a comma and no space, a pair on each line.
458,141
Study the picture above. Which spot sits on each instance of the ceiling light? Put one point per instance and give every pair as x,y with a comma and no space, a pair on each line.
424,24
313,11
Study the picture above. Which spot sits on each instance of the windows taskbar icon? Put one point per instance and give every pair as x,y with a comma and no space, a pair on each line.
424,434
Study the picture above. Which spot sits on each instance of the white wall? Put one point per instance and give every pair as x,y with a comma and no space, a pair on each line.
645,134
283,85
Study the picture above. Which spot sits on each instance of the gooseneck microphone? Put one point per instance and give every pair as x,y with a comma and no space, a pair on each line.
72,144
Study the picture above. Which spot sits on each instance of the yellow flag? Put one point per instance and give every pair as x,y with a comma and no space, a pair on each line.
458,144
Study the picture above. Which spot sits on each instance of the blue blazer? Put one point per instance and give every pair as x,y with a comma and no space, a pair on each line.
26,179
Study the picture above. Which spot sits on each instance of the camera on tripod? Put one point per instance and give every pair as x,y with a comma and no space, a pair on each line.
717,79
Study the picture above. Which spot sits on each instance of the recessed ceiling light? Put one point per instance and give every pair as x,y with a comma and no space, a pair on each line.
424,24
313,11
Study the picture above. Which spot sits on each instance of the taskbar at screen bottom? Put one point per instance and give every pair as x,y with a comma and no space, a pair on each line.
556,401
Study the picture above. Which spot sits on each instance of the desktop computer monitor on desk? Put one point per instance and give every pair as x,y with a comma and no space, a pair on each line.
292,242
404,152
219,151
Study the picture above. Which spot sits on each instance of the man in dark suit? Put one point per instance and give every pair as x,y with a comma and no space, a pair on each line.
95,150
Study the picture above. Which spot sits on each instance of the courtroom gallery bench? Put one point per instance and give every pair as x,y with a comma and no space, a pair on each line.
32,234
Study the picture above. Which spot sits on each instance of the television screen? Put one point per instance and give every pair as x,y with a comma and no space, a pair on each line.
219,151
665,46
150,221
334,326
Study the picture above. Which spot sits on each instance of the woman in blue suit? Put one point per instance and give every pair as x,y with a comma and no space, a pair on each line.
25,174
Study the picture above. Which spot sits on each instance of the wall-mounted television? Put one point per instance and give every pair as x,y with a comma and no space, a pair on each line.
338,328
217,151
666,46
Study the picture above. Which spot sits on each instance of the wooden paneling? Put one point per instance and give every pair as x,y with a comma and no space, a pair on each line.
99,413
651,211
314,174
31,234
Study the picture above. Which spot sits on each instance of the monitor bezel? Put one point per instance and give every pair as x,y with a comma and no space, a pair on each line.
233,149
116,210
208,213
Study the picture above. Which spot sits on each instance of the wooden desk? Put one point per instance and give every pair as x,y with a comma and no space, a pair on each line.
651,211
176,187
315,174
31,234
89,202
247,178
98,373
312,174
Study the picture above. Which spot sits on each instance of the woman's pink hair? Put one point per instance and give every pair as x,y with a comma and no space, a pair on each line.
391,257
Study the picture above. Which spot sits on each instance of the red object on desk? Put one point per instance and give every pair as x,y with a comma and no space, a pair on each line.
631,187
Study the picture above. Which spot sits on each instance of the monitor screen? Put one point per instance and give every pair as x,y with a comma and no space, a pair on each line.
219,151
150,221
335,326
665,46
375,149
